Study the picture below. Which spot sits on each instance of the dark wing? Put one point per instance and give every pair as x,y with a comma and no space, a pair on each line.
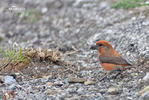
113,60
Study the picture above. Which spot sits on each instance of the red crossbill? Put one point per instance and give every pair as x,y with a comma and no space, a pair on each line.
108,57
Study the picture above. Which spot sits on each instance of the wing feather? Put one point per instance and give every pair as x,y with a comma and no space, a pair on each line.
113,60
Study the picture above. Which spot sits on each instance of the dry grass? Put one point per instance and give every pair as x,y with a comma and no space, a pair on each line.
40,58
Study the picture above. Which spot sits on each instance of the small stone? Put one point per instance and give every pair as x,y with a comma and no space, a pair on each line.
1,79
58,83
129,98
102,91
51,92
133,74
9,80
88,82
144,96
20,27
46,77
146,89
49,84
146,77
12,86
113,91
76,80
80,91
103,5
68,25
44,10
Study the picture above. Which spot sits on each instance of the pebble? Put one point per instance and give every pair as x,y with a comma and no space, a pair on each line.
113,91
144,96
58,83
133,74
80,91
9,80
146,89
49,84
12,86
76,80
44,10
102,91
146,77
88,82
103,5
1,79
51,92
46,77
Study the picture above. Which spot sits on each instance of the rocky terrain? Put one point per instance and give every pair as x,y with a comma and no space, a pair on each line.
57,36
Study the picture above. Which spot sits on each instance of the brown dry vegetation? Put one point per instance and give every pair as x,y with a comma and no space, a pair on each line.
37,62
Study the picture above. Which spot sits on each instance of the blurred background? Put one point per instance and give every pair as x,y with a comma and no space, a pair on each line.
75,23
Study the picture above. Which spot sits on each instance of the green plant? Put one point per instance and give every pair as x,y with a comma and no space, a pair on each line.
18,55
14,54
126,4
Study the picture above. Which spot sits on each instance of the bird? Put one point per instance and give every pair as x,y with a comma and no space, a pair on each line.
108,58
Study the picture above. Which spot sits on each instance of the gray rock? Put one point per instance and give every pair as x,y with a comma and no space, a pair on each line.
146,77
144,96
12,86
8,80
114,91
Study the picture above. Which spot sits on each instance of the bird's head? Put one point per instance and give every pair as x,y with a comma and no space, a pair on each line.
101,44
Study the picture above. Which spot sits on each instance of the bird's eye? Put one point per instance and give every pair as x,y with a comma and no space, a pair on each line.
100,45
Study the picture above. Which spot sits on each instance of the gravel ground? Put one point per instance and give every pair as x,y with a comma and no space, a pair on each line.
72,27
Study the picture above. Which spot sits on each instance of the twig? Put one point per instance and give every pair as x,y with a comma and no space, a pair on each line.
5,65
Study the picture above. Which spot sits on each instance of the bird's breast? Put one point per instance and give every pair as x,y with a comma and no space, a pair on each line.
108,67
